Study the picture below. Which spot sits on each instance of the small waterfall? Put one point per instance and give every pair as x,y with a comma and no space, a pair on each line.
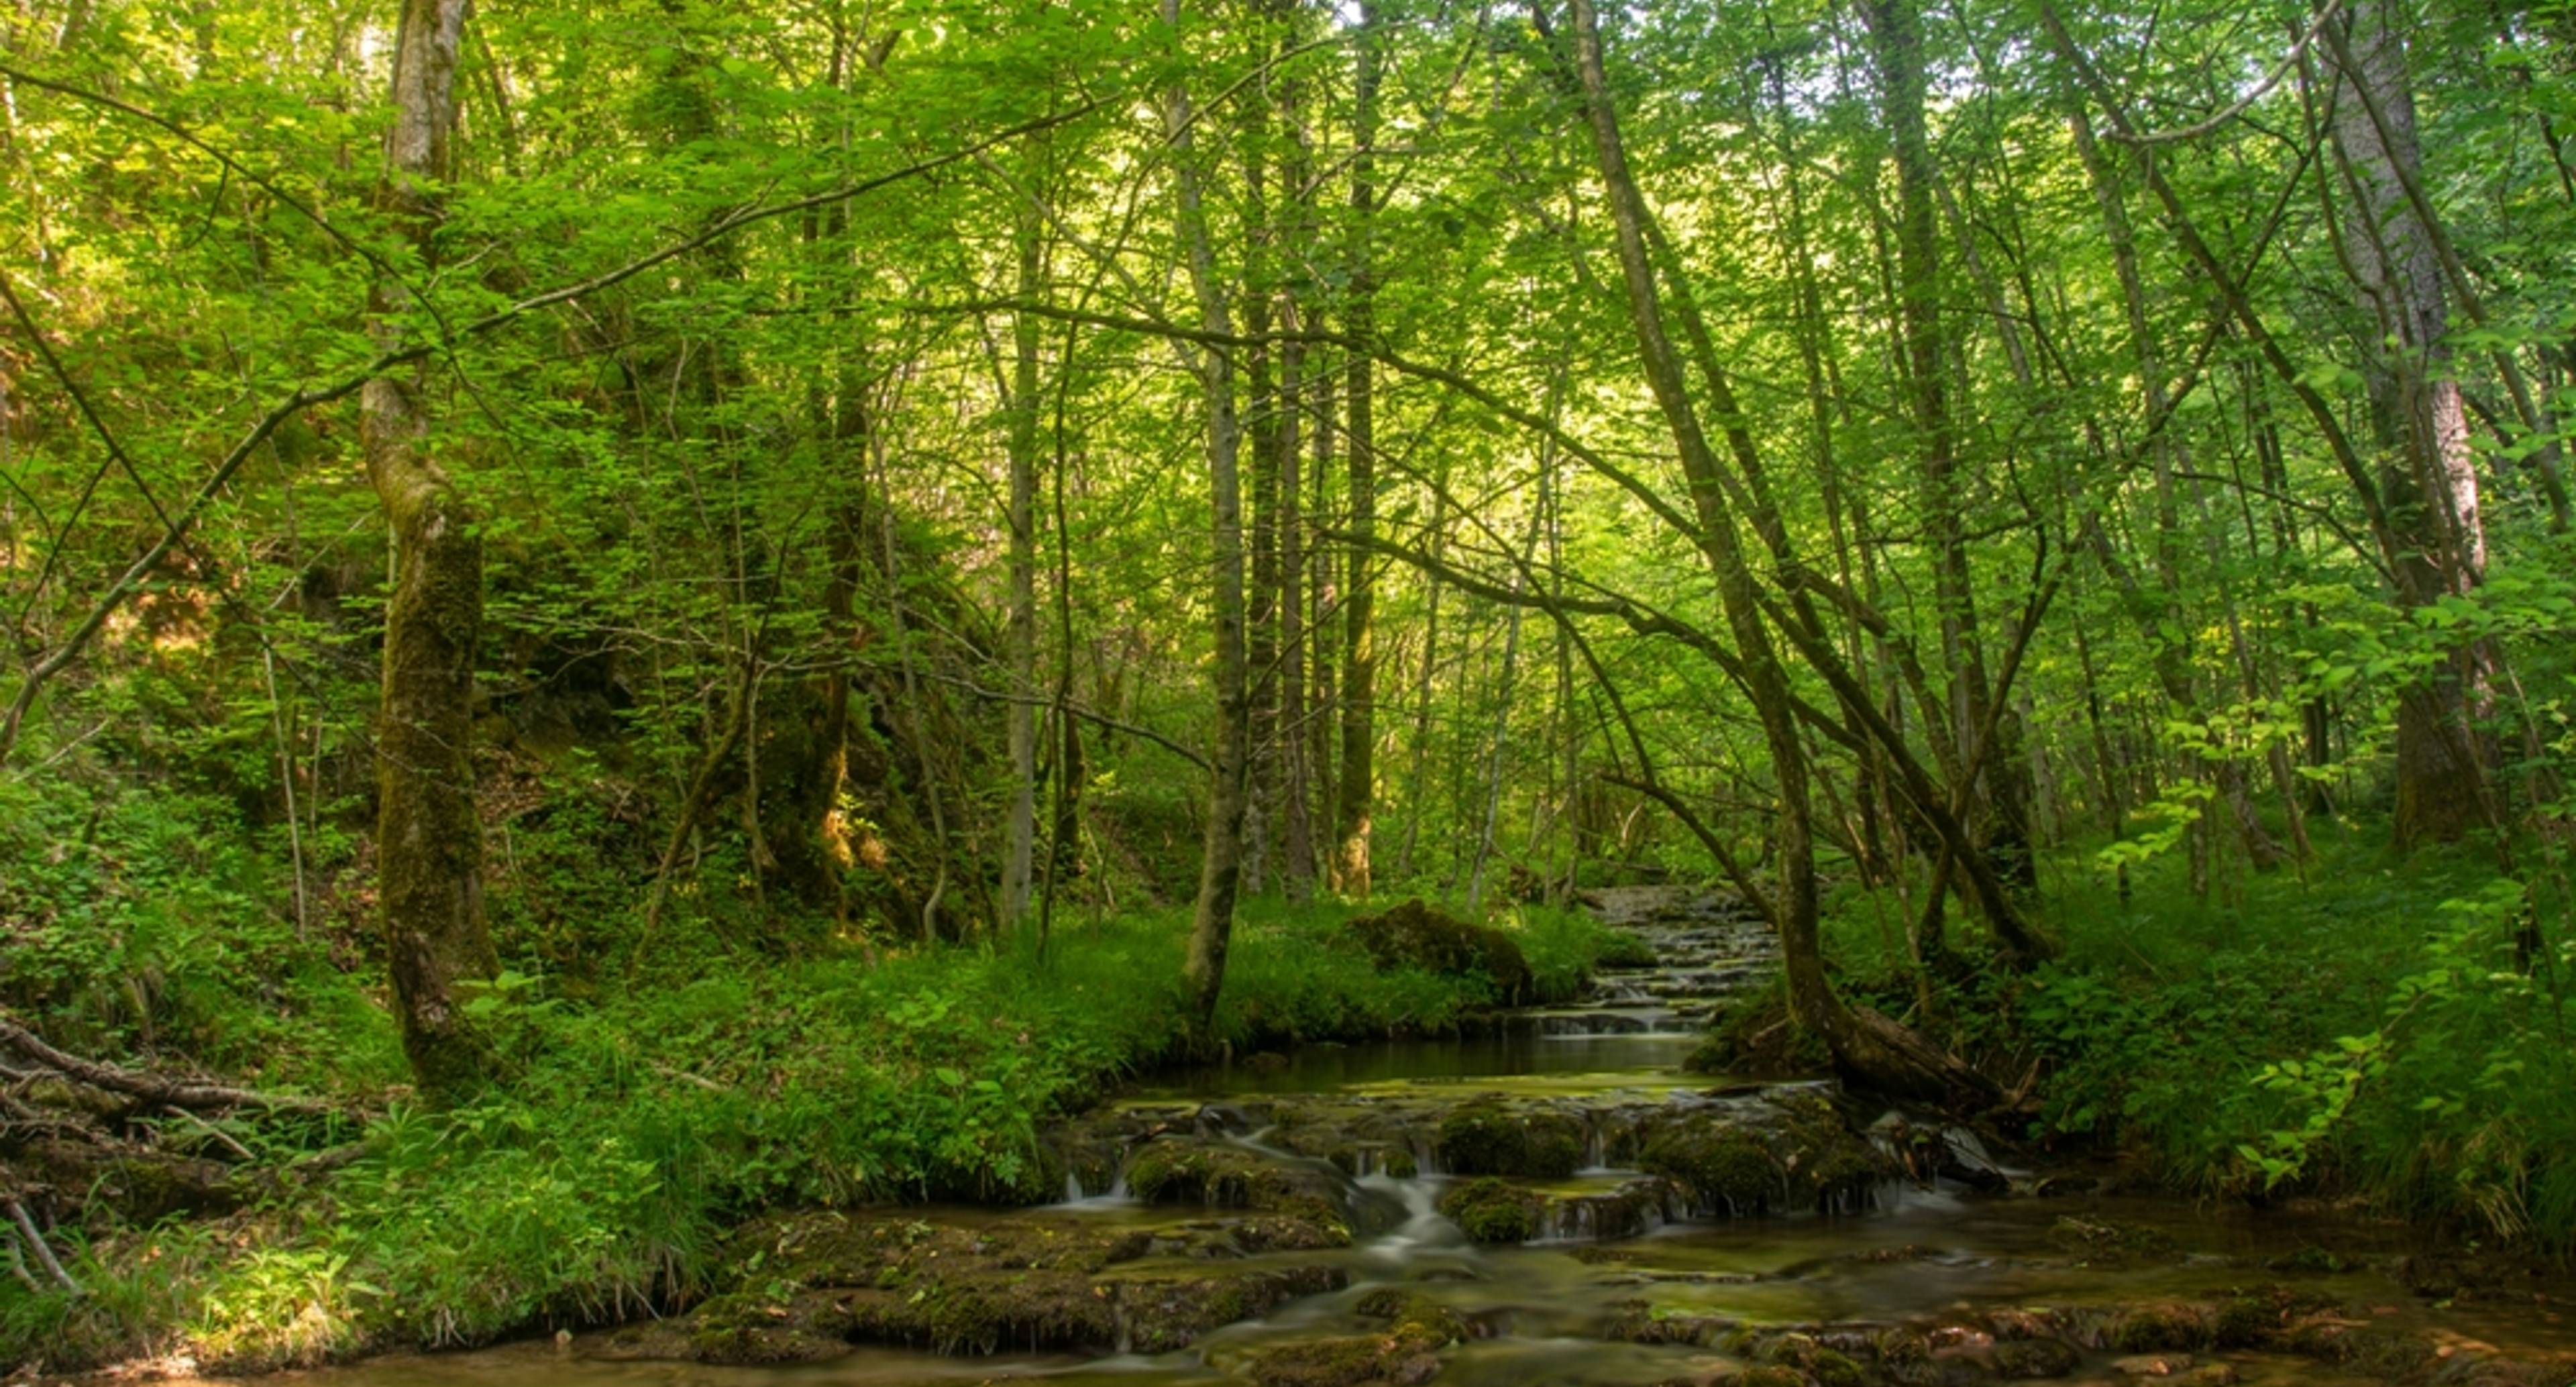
1114,1197
1425,1232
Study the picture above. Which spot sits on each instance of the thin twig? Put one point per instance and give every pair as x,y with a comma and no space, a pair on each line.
44,1254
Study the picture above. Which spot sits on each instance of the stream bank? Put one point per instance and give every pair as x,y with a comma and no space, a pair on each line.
1554,1200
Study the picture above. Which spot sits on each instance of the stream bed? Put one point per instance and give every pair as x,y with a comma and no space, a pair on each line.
1555,1201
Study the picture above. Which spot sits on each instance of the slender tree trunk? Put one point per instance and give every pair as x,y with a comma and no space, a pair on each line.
429,841
1358,779
1496,757
1297,833
1896,28
1294,797
1263,421
1221,860
1323,596
1416,792
2165,622
1020,634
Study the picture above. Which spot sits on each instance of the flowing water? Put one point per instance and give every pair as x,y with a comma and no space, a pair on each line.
1613,1248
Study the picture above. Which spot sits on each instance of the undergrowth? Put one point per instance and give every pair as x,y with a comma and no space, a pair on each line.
2362,1029
639,1125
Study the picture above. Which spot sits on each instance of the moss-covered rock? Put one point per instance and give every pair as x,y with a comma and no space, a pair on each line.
1488,1139
2104,1243
750,1329
2027,1358
1415,935
1183,1170
814,1281
2170,1327
1405,1352
1785,1149
1723,1167
1490,1210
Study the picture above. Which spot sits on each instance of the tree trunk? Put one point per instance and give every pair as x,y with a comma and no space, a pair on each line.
1221,858
2164,624
1264,419
1872,1048
429,841
1896,28
1020,635
1297,832
2430,485
1358,778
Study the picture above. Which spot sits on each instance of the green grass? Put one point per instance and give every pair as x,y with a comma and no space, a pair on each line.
639,1127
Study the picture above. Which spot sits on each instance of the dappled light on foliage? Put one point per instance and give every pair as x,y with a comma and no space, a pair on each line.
1234,666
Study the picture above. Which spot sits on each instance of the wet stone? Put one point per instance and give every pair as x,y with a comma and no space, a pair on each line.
816,1283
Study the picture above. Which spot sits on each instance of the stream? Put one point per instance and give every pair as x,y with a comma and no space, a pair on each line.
1304,1220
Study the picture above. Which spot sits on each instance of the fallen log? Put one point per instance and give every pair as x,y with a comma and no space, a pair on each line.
145,1086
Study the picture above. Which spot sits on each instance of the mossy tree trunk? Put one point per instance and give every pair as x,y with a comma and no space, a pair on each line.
429,844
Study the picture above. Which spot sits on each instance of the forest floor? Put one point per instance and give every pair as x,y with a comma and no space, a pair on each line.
641,1124
2344,1038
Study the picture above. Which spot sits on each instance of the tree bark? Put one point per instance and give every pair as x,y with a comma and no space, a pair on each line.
1221,857
1896,28
429,841
2429,485
1020,634
1358,779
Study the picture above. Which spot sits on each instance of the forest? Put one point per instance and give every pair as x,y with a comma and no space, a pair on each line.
1765,691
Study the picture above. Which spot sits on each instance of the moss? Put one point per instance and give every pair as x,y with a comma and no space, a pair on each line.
1620,948
1179,1172
753,1329
1415,935
2024,1358
2108,1243
1489,1139
1164,1314
2174,1327
1405,1352
1481,1139
1491,1211
1831,1369
2244,1322
1723,1167
1556,1145
1768,1375
2317,1260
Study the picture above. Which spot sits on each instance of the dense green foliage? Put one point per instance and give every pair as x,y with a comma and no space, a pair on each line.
2419,1070
637,607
